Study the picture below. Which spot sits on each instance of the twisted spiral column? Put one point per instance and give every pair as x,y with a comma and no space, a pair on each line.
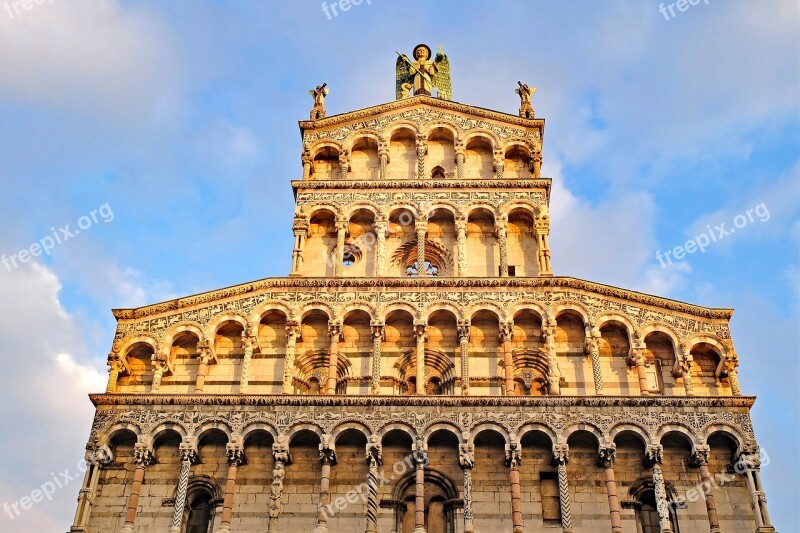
188,457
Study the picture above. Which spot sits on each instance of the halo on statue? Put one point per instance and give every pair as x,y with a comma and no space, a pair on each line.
426,47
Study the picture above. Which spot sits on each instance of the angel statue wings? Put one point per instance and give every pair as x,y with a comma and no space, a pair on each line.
318,94
423,75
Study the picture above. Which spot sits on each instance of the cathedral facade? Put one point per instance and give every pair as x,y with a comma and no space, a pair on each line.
421,368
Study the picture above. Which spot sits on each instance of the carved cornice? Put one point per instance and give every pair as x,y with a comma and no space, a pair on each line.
422,283
543,183
402,401
415,101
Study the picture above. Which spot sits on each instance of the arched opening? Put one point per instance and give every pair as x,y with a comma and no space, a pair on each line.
441,153
320,244
488,475
443,339
576,368
229,350
614,347
523,254
326,164
183,354
357,348
400,240
706,370
479,162
302,477
397,445
365,163
539,481
516,164
530,364
485,353
660,353
402,154
271,356
399,330
441,502
359,253
140,369
313,353
350,472
483,255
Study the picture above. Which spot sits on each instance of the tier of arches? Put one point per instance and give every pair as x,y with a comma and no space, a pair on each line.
477,242
466,351
440,151
449,452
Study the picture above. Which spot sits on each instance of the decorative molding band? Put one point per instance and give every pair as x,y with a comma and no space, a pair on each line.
543,183
420,401
422,283
414,101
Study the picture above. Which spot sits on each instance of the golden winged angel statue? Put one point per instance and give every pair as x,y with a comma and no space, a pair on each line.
423,75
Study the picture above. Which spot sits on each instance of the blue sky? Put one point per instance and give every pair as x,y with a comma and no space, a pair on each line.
182,118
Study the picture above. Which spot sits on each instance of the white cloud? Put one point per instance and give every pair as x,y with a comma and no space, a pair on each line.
46,414
100,56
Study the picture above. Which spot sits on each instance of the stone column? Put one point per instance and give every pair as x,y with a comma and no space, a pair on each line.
560,458
380,246
249,342
422,150
463,342
593,349
461,241
654,456
307,161
685,369
420,331
461,156
607,456
542,229
421,227
466,458
341,233
142,457
554,372
638,359
498,163
383,154
731,365
344,164
699,458
506,335
95,459
378,335
235,458
420,458
280,453
300,230
327,457
513,460
161,367
374,460
501,228
292,334
188,455
115,368
205,357
536,165
335,334
750,463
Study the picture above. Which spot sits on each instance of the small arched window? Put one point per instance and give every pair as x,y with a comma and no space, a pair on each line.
438,173
200,512
647,512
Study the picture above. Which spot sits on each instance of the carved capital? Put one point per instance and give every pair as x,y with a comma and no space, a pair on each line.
653,455
700,455
463,329
234,452
466,455
143,454
335,331
560,454
506,331
607,454
188,453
